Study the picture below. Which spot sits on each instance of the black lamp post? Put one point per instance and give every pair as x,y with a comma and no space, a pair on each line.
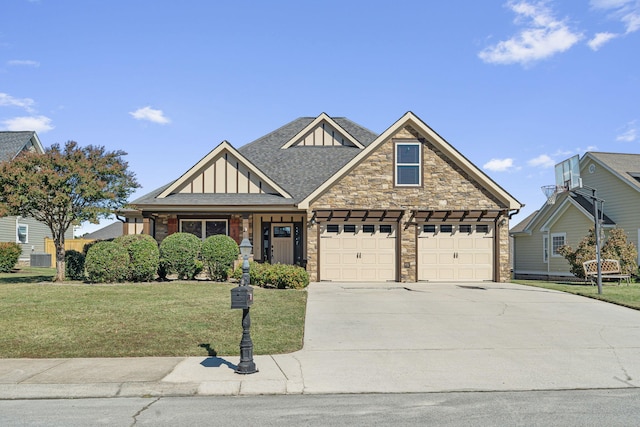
246,365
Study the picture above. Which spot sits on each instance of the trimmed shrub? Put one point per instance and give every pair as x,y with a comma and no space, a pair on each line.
180,254
280,276
74,264
107,262
218,253
257,273
9,255
144,256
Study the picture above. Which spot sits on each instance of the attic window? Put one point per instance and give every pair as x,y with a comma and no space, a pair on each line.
408,167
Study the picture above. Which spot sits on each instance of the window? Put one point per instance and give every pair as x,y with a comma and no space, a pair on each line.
428,228
545,248
557,240
369,228
281,231
349,228
211,227
408,164
482,228
22,233
385,229
333,228
465,228
446,228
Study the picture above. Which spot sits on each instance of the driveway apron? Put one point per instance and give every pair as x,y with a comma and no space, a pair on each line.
422,337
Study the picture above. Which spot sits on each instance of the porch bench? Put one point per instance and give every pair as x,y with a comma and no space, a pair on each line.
609,269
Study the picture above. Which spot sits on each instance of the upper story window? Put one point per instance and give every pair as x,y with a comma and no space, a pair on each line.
408,168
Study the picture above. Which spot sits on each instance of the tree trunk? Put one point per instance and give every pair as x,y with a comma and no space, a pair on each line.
60,264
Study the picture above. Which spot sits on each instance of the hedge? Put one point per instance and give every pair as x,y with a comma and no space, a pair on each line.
280,276
144,256
180,254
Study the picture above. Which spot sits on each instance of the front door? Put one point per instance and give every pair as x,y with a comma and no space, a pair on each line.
282,243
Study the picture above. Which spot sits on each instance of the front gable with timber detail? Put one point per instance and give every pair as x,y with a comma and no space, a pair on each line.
224,171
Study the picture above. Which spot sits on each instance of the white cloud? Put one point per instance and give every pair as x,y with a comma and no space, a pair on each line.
7,100
630,133
626,11
543,161
39,124
149,114
24,62
542,36
600,39
499,165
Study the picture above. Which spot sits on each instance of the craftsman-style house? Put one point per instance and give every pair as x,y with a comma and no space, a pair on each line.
348,204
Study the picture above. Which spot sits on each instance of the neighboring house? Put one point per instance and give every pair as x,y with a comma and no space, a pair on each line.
346,203
27,232
108,232
616,179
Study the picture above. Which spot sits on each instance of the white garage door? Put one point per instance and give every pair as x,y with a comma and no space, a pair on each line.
455,252
357,252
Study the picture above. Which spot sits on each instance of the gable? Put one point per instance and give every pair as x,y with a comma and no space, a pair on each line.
322,132
224,171
449,180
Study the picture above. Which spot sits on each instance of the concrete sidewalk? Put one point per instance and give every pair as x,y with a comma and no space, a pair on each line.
385,338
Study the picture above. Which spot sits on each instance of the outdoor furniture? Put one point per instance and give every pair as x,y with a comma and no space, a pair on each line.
609,269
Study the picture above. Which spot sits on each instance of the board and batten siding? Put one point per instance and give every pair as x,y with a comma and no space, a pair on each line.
225,174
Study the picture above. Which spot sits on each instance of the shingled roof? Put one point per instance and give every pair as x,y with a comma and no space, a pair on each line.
298,169
12,143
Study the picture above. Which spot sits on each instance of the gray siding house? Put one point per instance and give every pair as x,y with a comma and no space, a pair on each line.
27,232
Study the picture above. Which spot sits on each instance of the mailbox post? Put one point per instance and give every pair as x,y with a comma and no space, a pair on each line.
242,298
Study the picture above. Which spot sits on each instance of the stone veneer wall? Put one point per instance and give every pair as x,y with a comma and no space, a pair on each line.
370,185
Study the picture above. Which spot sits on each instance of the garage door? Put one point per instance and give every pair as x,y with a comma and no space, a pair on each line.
357,252
455,252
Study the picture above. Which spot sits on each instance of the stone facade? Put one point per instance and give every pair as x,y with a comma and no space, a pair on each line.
370,185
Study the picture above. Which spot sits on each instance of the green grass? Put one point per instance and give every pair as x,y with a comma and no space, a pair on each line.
628,296
40,319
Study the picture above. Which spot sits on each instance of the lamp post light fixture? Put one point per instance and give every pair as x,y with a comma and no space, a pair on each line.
242,297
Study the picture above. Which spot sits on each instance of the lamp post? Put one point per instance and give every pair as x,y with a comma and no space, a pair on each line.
246,365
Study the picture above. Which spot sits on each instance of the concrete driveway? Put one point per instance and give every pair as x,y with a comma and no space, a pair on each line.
395,337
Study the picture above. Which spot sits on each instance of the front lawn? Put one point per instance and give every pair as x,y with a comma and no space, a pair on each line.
41,319
628,296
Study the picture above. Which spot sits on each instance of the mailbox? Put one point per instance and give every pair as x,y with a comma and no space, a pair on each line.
242,297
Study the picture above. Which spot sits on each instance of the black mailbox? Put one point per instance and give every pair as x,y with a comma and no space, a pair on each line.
241,297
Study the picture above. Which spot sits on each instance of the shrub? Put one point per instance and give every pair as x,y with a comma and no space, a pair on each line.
9,255
144,256
218,253
179,254
257,273
107,262
280,276
74,264
615,247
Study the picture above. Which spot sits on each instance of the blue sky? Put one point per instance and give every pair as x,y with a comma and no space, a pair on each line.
515,86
